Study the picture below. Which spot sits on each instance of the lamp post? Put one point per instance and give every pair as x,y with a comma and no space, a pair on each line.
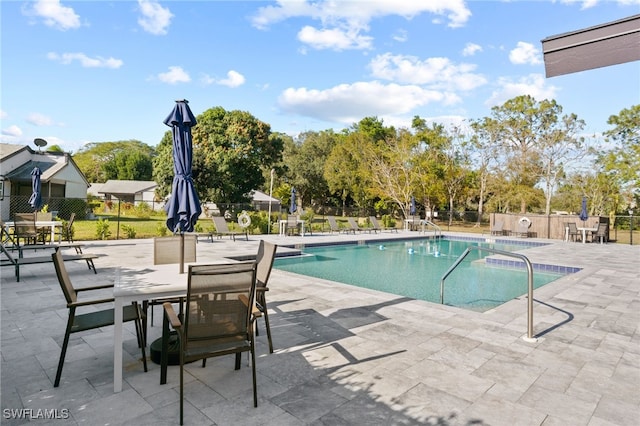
270,192
631,226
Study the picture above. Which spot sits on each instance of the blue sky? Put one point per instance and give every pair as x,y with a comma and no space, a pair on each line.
74,72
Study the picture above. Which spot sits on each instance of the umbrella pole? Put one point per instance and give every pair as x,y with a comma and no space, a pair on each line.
182,252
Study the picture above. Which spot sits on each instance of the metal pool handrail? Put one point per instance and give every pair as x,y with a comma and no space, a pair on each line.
504,253
437,231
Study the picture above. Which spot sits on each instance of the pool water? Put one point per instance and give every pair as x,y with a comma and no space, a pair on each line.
414,269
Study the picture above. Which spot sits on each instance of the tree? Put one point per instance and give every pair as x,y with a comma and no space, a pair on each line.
306,161
622,163
129,165
93,158
231,150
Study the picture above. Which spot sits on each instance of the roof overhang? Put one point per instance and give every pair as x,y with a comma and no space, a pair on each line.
607,44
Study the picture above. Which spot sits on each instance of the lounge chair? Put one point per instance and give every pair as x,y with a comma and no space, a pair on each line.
334,227
378,227
522,228
223,229
354,225
497,228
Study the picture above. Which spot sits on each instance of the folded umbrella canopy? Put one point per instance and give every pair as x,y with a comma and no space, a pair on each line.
35,200
293,207
183,208
584,215
412,206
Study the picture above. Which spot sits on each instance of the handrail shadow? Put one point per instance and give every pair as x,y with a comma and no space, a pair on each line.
550,329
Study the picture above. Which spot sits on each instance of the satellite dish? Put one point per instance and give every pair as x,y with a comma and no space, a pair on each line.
40,143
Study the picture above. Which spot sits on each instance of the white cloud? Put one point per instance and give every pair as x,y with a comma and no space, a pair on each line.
533,85
53,14
39,119
349,103
342,23
586,4
13,131
437,72
400,36
525,53
471,49
335,38
175,75
234,79
155,19
85,61
3,114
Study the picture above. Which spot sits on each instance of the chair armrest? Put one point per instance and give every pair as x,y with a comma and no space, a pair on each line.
89,302
262,289
97,287
171,314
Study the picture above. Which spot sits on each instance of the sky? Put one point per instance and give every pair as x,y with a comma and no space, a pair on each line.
76,72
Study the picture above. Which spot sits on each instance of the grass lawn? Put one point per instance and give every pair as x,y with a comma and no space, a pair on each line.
86,230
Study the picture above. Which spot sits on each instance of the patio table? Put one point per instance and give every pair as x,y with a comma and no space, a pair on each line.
584,232
53,224
283,226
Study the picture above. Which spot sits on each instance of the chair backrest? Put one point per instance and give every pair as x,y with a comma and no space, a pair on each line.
46,217
71,219
332,223
264,262
374,221
292,221
602,230
220,300
25,223
220,223
167,249
352,223
69,291
573,228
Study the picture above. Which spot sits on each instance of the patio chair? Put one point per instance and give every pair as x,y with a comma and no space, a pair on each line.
223,229
354,225
522,228
602,233
25,228
334,227
377,226
67,230
264,264
92,319
292,227
497,228
413,222
218,319
574,233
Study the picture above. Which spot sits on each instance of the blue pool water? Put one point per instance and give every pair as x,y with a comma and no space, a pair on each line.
414,269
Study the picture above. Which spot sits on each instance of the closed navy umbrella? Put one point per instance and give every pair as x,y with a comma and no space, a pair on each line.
412,206
584,215
36,196
183,208
293,207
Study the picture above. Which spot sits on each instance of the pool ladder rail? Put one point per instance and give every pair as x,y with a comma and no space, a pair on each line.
529,337
424,223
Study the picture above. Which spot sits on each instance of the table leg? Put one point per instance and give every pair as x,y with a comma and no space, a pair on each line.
303,229
117,345
584,236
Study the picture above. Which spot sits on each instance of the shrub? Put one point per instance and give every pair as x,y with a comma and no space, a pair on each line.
141,210
162,229
129,230
102,229
388,221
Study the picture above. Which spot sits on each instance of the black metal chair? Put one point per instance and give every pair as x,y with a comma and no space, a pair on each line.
93,319
218,319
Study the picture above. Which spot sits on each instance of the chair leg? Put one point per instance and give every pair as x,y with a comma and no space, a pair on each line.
141,335
253,367
267,326
65,342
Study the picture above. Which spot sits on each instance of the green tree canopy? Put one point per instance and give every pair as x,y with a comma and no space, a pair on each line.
100,161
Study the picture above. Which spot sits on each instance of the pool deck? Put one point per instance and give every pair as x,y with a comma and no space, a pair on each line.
346,355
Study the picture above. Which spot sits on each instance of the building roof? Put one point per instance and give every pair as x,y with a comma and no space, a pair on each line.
262,197
602,45
125,187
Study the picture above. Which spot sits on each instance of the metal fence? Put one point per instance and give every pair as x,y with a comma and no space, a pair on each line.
59,207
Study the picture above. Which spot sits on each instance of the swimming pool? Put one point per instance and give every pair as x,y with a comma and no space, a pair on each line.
414,269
